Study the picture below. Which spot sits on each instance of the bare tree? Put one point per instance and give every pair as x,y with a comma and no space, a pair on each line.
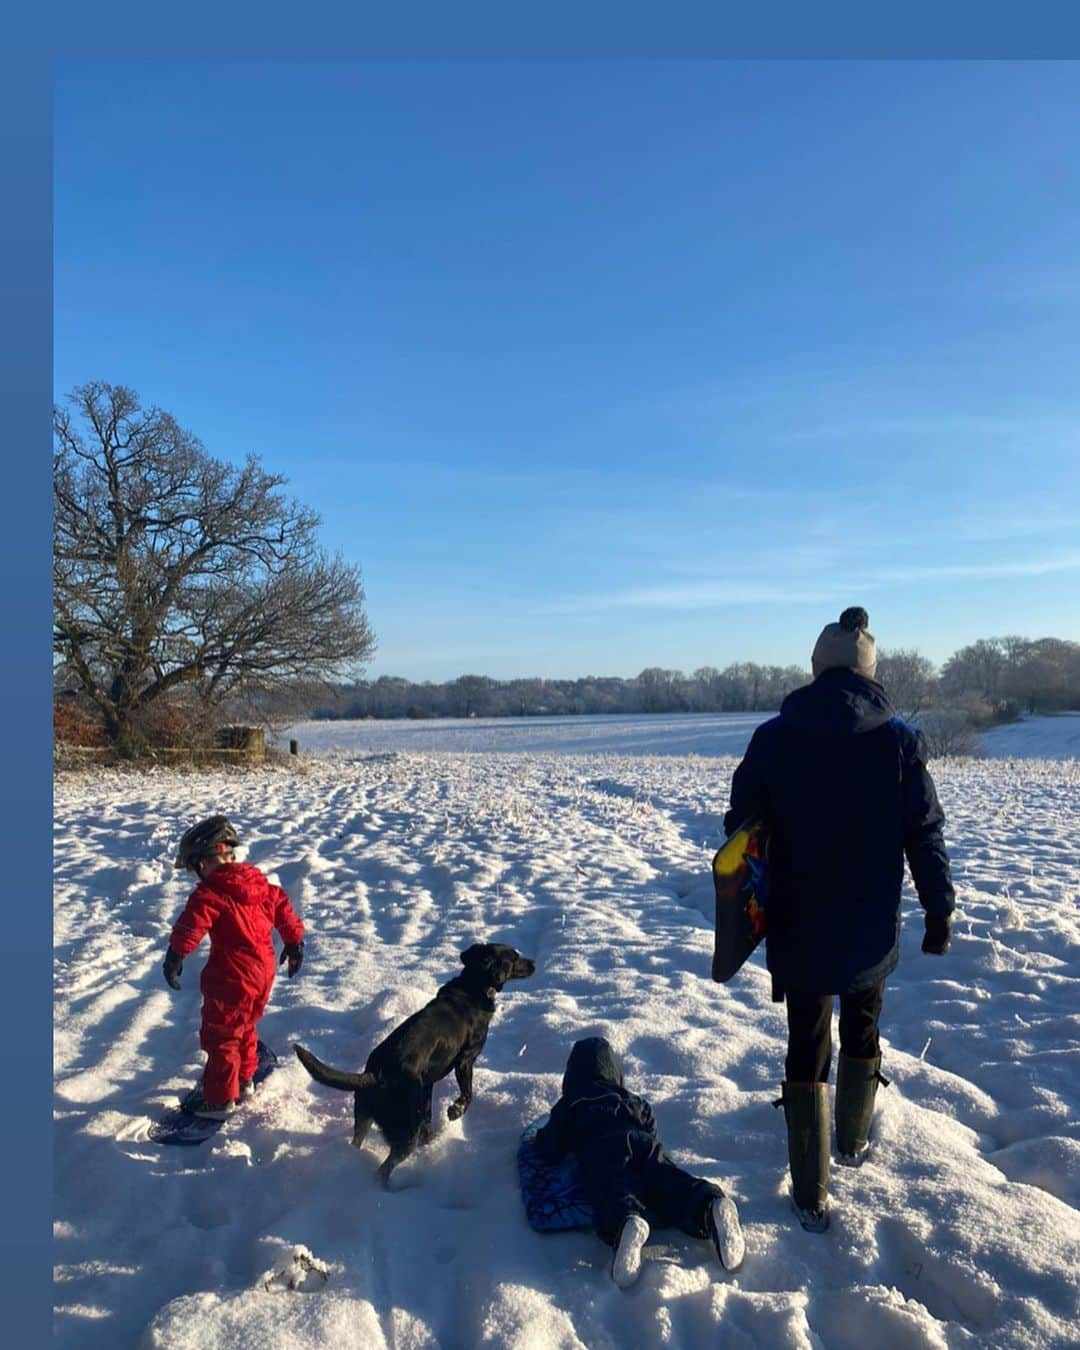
473,693
661,690
909,679
977,668
174,571
706,688
1043,675
948,733
527,695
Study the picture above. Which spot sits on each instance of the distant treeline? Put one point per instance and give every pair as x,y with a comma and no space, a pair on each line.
739,688
992,678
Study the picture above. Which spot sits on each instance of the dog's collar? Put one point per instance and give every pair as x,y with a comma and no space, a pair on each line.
485,997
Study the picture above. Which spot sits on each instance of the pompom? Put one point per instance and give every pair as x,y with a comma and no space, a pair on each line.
854,618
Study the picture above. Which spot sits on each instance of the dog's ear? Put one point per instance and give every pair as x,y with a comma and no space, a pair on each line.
486,961
496,960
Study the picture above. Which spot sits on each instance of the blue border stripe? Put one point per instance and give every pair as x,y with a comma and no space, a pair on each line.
26,782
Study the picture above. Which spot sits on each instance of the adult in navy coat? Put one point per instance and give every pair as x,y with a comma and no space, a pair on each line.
842,784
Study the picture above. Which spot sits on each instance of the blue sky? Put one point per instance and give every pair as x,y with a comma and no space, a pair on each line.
600,365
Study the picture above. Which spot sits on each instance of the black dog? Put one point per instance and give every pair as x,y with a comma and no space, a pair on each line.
448,1033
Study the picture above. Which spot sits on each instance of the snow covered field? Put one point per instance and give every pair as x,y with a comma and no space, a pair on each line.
686,734
962,1230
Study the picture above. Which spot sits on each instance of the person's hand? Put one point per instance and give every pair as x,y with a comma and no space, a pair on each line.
938,931
171,969
293,952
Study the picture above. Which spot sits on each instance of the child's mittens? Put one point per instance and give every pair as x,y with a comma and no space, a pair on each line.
293,952
171,969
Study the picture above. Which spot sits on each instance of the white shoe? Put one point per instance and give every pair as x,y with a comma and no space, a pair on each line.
626,1263
726,1232
247,1089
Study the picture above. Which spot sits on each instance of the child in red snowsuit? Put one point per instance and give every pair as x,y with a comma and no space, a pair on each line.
239,908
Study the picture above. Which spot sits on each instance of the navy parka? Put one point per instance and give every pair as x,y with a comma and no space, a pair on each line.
842,783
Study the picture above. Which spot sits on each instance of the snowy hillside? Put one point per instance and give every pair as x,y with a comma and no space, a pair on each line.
1035,737
962,1230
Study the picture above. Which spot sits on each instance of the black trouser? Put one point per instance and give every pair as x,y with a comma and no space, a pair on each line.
646,1182
810,1031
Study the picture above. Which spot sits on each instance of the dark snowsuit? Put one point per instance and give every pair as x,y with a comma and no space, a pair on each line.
622,1165
239,908
842,783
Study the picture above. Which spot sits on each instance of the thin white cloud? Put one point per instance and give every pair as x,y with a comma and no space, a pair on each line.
733,592
1032,567
691,596
987,529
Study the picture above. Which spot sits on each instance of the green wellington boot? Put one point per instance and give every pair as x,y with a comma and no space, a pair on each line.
806,1110
856,1088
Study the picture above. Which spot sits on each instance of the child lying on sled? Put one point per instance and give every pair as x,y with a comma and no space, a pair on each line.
629,1179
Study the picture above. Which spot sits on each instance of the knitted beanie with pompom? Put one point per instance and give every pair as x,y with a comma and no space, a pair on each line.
848,645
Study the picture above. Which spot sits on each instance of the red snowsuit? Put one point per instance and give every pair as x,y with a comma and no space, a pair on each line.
239,908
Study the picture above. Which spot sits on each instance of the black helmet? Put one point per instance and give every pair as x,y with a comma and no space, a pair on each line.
209,837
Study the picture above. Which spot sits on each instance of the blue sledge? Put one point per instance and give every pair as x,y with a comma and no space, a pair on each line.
552,1193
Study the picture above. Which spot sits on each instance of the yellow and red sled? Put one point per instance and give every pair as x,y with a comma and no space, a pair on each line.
740,878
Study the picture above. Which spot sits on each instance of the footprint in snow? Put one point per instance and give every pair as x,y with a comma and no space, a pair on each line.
296,1269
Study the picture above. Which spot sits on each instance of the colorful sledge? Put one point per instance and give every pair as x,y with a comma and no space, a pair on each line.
740,878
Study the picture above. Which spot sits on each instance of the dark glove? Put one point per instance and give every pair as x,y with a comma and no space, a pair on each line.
293,952
173,966
938,932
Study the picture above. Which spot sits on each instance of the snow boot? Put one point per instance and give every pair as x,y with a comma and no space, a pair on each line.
806,1110
626,1263
856,1087
196,1105
247,1088
726,1232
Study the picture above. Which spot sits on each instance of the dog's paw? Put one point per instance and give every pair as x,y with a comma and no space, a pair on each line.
456,1109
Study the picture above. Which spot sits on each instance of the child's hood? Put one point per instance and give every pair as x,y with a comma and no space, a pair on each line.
592,1064
242,883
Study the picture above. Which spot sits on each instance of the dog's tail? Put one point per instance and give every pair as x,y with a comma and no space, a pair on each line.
335,1078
